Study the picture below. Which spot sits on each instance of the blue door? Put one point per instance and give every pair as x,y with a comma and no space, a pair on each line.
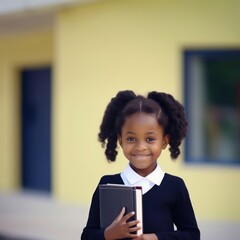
36,129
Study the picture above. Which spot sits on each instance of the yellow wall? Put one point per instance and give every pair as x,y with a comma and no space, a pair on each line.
16,52
97,50
133,44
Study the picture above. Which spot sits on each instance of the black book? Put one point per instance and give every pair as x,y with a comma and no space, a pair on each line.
113,197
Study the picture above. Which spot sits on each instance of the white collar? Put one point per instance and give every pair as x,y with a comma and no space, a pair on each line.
130,177
156,175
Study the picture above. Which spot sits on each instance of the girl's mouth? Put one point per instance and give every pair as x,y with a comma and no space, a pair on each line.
140,156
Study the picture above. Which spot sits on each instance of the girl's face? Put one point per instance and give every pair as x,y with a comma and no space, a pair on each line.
142,140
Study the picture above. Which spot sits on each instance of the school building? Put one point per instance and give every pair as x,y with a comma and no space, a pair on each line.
87,51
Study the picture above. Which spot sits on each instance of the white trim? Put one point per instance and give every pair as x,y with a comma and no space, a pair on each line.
16,6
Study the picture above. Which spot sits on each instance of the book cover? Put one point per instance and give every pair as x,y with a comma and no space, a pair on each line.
113,197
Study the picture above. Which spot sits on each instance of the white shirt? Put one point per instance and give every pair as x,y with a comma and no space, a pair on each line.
131,178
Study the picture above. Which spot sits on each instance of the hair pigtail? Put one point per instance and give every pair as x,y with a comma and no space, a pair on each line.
177,124
108,135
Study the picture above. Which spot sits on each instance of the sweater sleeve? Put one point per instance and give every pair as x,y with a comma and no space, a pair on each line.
183,218
92,229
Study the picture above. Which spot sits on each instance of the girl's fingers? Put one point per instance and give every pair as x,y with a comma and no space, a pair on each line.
121,214
127,216
133,223
134,229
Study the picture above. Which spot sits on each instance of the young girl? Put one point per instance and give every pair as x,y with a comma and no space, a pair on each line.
144,127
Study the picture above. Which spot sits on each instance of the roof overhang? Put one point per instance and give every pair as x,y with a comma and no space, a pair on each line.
18,16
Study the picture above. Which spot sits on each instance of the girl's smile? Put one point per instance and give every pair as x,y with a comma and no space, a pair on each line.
142,140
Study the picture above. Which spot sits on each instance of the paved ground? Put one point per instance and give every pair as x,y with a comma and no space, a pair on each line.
32,216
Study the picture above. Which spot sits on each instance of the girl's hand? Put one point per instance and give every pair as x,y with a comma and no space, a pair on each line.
150,236
120,228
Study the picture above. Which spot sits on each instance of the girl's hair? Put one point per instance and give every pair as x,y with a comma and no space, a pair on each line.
168,111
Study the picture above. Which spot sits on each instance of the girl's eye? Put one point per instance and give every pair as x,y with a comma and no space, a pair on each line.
130,139
150,139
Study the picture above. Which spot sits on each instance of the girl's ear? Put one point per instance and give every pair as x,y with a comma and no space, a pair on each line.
120,140
166,140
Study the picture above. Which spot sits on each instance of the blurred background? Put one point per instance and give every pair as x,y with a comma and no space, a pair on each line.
61,61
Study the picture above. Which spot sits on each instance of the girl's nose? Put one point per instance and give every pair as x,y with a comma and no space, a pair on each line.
140,146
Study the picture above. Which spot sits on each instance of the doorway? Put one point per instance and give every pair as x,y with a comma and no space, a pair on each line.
36,129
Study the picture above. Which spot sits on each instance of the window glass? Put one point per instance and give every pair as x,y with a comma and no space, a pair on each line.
212,101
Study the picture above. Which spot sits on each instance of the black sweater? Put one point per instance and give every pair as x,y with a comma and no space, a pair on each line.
163,206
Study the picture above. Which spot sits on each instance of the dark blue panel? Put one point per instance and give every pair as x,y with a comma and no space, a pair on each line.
36,129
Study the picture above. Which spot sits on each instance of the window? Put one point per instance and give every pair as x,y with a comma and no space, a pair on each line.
212,103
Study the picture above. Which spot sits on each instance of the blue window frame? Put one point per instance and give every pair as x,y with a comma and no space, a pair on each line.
212,103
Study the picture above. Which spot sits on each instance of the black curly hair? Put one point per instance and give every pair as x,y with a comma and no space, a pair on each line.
168,111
